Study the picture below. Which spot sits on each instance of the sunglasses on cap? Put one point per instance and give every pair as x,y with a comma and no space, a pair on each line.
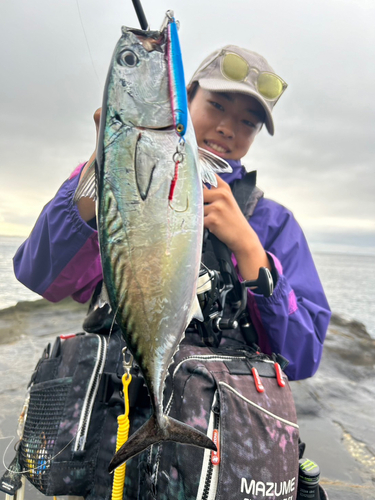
234,67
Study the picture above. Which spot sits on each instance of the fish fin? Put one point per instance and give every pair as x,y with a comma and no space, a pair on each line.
211,164
87,185
196,311
152,433
144,164
104,297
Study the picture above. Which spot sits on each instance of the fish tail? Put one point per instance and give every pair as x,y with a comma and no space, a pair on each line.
152,432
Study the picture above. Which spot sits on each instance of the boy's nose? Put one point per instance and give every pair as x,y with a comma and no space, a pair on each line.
226,128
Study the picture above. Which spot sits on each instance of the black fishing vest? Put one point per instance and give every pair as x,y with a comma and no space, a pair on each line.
217,256
247,196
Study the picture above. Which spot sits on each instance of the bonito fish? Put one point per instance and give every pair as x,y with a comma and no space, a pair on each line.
150,217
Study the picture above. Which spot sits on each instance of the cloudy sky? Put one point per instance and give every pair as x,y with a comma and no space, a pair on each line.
320,163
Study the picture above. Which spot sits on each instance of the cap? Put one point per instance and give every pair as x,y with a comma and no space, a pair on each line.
234,69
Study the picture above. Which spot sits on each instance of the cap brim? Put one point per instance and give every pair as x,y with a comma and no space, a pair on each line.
220,85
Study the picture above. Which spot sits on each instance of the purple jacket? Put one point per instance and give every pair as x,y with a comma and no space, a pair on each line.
60,258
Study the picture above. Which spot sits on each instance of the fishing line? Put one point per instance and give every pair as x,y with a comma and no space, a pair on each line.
12,438
210,275
113,324
87,43
46,461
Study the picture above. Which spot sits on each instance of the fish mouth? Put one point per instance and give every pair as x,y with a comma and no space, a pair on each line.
151,40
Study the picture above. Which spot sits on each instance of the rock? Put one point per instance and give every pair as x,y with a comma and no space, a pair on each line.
39,318
335,411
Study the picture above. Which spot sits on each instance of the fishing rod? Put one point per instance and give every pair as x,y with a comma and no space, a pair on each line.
140,14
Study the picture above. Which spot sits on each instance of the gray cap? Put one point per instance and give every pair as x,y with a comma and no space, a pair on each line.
234,69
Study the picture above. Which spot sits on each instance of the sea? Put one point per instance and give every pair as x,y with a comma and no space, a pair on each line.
348,280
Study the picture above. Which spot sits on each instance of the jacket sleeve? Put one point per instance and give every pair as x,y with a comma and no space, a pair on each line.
294,320
60,258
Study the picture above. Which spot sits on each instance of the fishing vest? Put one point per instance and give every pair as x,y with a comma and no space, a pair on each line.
247,196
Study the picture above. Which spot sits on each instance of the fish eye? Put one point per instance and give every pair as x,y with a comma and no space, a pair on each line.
128,58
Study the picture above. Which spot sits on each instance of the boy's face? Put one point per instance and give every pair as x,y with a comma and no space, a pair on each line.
225,123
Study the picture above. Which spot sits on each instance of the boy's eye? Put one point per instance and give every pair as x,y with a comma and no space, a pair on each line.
216,105
249,123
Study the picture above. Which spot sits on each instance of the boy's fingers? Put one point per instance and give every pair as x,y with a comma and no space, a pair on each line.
97,114
209,195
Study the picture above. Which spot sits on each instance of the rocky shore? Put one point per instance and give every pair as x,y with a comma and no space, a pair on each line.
335,407
336,412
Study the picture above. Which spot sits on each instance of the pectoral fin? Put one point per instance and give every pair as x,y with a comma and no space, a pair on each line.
196,311
87,187
211,164
144,165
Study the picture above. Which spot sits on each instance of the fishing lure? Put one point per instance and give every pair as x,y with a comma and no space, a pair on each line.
178,94
176,78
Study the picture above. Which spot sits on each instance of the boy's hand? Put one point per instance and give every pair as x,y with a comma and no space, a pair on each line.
223,217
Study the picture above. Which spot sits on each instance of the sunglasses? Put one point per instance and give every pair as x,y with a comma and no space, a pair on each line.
236,68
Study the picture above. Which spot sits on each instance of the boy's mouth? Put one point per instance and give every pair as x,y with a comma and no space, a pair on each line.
220,149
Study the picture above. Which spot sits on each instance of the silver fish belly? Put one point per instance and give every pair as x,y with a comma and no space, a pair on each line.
150,241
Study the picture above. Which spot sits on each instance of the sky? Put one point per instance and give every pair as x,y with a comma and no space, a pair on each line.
320,162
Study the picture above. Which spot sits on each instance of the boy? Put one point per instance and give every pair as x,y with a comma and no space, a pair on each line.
231,96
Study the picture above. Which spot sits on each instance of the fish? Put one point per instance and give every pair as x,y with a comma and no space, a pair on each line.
149,175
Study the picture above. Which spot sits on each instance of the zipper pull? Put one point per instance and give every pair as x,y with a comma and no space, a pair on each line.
279,375
258,383
215,455
66,336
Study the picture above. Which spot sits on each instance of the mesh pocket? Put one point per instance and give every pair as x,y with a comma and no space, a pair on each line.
45,412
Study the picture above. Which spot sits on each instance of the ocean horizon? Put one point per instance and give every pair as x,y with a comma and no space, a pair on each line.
347,275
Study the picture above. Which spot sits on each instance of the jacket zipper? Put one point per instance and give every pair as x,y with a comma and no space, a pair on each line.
92,390
211,460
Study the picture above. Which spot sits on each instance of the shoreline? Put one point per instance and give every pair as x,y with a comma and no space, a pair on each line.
21,314
40,318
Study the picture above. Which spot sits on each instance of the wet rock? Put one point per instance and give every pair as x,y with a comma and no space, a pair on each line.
40,318
335,412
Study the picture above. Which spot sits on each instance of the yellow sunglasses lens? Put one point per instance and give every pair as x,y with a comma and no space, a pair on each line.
270,86
234,67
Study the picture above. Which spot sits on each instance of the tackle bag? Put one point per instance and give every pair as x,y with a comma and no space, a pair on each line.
242,400
70,417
